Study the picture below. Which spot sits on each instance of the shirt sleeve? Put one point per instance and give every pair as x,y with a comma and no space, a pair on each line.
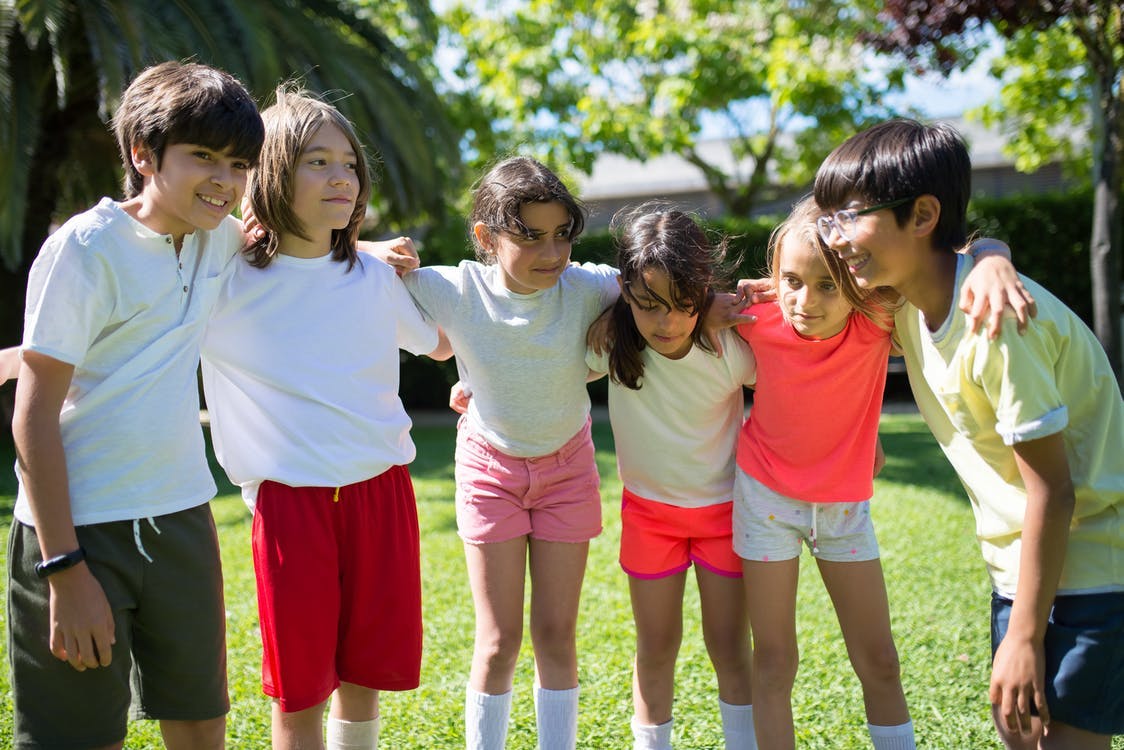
743,365
597,362
435,289
1017,375
70,296
414,333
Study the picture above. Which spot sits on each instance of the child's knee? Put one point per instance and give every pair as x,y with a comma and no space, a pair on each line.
878,665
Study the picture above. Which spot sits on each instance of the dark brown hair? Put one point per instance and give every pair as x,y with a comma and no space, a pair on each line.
902,159
498,196
177,102
655,236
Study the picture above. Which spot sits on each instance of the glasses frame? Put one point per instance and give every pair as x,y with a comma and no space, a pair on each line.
825,225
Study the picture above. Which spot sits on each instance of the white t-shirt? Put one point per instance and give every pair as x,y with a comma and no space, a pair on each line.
676,436
523,355
300,368
107,295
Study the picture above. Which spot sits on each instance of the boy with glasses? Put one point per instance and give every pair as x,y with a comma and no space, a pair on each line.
1032,424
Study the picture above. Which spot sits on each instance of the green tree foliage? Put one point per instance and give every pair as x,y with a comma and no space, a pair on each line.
1062,76
568,81
64,63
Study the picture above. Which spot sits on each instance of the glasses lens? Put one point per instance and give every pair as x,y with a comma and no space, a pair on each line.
845,224
824,224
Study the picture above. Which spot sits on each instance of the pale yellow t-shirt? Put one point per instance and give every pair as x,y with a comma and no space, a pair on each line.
979,397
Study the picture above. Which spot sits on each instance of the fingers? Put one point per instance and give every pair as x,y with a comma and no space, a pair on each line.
1040,702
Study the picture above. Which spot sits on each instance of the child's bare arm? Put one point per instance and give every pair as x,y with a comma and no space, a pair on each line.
993,287
1017,675
444,349
399,253
82,631
9,363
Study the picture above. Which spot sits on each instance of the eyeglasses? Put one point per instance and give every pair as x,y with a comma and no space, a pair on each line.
844,221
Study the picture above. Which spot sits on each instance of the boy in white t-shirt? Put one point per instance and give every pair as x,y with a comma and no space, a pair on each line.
114,564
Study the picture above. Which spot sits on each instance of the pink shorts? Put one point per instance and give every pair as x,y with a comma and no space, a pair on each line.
658,539
339,587
553,498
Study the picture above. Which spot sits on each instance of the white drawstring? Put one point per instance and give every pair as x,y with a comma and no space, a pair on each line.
137,535
815,547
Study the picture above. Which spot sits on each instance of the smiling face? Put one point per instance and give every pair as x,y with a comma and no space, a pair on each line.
533,256
194,187
877,249
811,300
325,186
665,328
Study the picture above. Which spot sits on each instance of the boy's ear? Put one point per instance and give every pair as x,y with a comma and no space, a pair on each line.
144,161
483,235
926,214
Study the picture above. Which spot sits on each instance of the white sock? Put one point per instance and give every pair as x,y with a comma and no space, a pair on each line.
651,736
556,712
898,737
353,735
485,720
737,726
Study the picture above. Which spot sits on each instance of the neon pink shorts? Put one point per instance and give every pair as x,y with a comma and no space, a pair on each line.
339,587
554,498
658,539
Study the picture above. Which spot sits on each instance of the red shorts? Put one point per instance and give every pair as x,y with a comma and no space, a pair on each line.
658,539
339,587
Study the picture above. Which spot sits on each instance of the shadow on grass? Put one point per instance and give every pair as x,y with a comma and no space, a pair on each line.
913,456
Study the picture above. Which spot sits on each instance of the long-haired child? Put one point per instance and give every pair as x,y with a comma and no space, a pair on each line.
676,409
807,456
300,366
527,483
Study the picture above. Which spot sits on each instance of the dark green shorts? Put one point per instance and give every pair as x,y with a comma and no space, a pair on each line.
169,661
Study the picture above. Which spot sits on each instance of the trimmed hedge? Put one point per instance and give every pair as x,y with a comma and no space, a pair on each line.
1048,235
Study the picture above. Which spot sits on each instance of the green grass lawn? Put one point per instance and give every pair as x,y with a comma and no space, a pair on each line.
938,598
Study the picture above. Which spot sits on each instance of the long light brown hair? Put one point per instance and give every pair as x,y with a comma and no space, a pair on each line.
289,126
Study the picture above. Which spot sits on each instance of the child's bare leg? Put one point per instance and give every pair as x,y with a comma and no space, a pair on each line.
354,703
770,591
557,571
298,730
496,574
725,622
657,608
858,593
353,717
209,734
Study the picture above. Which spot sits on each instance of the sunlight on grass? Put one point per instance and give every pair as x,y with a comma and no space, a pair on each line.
938,598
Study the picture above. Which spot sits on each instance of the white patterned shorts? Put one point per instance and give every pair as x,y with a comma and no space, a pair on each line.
770,527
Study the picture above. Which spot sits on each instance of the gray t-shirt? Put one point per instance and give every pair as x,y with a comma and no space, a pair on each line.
522,355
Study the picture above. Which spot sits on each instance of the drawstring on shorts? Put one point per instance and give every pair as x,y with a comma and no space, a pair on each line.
137,535
815,547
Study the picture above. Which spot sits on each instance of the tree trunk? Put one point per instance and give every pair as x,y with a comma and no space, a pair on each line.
1104,244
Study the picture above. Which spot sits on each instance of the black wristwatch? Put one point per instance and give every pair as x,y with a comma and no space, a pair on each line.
59,563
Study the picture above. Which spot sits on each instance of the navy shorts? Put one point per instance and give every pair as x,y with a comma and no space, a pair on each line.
1084,658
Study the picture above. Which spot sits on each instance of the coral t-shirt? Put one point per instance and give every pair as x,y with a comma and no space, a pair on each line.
813,428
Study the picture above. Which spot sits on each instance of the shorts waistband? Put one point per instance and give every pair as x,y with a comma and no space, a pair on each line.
567,451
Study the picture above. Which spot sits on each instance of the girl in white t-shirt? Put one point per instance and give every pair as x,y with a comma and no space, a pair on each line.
300,366
527,485
676,407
